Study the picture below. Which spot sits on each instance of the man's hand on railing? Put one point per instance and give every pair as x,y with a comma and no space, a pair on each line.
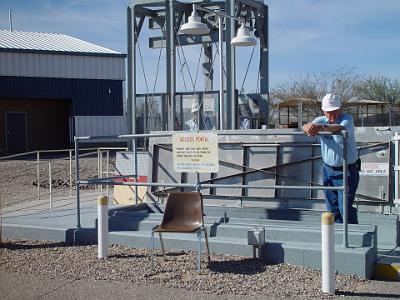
312,129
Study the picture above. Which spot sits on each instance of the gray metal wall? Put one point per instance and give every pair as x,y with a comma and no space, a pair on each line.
283,160
99,125
49,65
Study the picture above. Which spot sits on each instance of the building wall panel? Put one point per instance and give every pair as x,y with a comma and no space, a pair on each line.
61,65
89,97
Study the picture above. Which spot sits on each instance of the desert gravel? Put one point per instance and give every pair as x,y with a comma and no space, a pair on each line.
226,275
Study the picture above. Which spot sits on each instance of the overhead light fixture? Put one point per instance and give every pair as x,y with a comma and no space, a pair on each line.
243,37
194,25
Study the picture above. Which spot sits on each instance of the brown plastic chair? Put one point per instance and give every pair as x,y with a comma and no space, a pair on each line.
183,214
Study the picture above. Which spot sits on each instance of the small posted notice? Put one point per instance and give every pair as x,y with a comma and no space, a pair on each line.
195,152
374,169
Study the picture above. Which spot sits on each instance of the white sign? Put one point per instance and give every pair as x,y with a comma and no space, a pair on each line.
195,152
374,169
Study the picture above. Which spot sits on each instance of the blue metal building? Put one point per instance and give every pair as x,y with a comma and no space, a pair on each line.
48,80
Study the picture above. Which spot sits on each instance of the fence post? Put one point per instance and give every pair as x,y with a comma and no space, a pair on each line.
396,169
70,172
108,171
328,253
50,187
345,189
102,226
101,170
38,173
78,201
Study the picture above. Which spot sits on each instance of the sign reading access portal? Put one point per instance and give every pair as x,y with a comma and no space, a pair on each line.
195,152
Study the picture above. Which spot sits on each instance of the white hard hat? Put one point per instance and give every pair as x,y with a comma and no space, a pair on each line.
331,102
195,107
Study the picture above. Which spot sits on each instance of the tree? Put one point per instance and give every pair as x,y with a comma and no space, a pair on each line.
315,85
379,88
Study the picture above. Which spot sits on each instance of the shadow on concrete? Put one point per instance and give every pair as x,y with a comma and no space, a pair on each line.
214,226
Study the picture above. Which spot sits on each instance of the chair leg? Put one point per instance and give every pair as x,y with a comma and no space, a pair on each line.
199,254
162,245
208,248
152,251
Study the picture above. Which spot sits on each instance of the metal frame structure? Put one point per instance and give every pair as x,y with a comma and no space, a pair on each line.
171,14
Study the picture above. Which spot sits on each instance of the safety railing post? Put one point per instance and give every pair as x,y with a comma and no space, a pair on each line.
101,169
78,208
98,166
50,188
107,170
70,172
198,183
396,169
38,173
345,199
136,171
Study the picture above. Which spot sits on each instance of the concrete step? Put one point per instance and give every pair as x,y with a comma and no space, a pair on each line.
388,225
275,230
347,260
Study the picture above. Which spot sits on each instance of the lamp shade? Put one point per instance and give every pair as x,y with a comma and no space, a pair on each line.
243,37
194,25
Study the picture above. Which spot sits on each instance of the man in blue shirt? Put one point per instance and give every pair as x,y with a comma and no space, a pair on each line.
332,154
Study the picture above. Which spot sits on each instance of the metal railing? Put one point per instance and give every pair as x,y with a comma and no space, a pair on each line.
49,163
197,185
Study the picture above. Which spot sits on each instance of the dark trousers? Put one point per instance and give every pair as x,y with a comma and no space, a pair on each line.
334,199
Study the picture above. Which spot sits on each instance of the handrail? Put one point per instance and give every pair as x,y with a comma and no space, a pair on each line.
59,150
198,185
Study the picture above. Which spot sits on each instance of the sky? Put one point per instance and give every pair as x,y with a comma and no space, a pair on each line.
305,36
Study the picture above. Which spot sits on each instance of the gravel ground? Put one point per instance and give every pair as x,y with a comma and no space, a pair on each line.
226,275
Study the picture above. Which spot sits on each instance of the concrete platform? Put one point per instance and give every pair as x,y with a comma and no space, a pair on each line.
291,241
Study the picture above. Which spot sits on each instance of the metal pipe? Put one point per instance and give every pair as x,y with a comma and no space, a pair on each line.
10,19
98,166
345,200
131,71
70,172
219,132
77,183
136,171
396,168
38,173
50,187
107,170
101,170
205,186
221,74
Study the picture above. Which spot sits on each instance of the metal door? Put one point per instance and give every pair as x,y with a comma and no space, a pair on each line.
15,132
